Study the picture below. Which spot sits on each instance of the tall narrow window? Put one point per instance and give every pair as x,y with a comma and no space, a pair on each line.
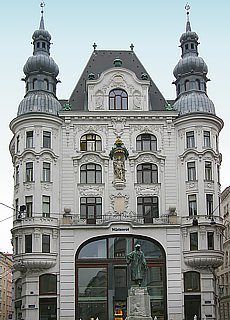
17,143
209,204
208,170
192,205
146,142
90,142
29,206
91,173
210,240
186,85
218,173
16,251
217,143
45,243
207,139
198,87
46,172
147,173
118,100
17,175
190,139
46,206
193,241
29,139
46,139
29,172
28,243
16,208
147,208
191,169
91,209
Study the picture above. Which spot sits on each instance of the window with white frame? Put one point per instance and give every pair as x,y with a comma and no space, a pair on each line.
192,205
207,139
209,204
29,172
29,139
47,139
45,243
29,206
191,170
190,139
46,206
208,170
46,177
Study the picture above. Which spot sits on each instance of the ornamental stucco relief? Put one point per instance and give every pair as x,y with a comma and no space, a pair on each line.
148,190
90,191
119,203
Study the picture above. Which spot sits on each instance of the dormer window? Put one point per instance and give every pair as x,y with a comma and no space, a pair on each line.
118,100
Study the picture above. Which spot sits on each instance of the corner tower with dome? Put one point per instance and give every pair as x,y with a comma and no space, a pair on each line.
112,166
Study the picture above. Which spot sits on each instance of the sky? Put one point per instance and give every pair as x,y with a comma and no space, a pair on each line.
154,27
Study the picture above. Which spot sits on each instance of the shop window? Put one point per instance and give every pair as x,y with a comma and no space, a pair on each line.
46,172
91,209
190,139
47,139
28,243
29,206
193,241
118,100
90,173
207,139
147,208
29,172
45,243
29,139
192,205
46,206
90,142
191,171
146,142
48,284
191,281
147,173
208,170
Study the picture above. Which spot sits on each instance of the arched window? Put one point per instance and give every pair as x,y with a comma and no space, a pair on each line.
147,173
118,100
186,85
48,284
90,142
191,281
198,87
178,89
146,142
35,81
18,289
46,84
91,173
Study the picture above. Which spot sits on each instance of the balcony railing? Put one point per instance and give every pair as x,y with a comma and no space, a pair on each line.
202,219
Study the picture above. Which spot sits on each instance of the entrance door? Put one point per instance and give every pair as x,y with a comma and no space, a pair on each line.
192,307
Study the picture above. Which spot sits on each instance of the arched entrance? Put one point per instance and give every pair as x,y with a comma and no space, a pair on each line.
102,277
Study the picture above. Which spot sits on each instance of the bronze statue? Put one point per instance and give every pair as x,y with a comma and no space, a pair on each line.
138,264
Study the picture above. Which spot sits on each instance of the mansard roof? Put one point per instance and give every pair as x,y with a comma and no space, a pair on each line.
102,60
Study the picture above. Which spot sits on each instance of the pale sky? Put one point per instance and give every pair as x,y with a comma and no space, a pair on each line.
154,27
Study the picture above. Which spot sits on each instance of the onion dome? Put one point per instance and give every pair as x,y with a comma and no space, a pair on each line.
191,76
41,72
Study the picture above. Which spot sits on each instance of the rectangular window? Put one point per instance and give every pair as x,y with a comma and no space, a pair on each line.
16,246
17,144
29,139
29,172
193,241
209,204
28,243
91,209
46,206
29,206
147,208
17,175
217,144
208,170
207,140
16,208
190,139
192,205
218,173
45,243
46,172
210,240
191,169
46,139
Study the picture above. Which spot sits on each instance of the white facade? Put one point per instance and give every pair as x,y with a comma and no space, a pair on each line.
64,175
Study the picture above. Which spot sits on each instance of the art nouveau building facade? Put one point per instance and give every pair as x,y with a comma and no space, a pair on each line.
115,165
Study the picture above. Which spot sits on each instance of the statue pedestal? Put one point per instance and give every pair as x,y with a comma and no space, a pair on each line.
119,184
138,304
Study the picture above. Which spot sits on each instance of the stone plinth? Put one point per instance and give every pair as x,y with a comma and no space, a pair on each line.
138,304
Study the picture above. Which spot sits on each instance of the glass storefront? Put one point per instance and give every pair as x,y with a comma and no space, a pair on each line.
103,277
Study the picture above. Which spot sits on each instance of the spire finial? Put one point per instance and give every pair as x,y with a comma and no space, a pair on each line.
187,8
94,46
131,46
42,25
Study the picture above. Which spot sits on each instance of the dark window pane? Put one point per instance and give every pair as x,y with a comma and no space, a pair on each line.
28,243
191,281
95,249
47,284
193,241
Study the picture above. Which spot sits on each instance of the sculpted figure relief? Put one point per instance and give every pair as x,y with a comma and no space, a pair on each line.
138,264
119,168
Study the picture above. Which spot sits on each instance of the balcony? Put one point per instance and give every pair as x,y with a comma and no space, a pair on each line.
201,219
203,259
37,219
34,261
134,218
